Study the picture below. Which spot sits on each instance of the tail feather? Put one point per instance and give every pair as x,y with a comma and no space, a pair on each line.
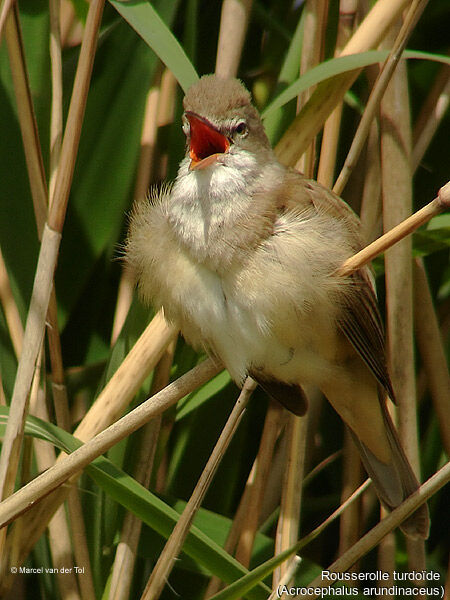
395,481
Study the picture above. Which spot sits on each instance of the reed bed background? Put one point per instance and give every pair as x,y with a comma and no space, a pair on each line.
203,491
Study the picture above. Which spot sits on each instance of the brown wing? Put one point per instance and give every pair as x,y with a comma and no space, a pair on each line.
361,324
291,396
361,321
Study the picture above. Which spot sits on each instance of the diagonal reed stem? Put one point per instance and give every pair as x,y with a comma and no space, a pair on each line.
27,119
389,66
375,535
10,310
62,470
122,573
422,216
173,545
108,407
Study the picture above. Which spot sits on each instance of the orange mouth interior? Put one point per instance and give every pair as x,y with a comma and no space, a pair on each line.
205,140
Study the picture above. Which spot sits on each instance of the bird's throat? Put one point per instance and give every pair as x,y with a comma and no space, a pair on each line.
206,206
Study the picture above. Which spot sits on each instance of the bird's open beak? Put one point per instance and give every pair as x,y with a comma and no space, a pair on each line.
206,142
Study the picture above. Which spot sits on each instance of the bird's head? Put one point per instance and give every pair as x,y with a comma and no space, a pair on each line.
221,125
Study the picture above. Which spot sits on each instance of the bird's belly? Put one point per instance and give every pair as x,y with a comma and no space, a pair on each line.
217,314
211,317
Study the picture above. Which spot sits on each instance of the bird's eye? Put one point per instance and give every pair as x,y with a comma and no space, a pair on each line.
185,126
241,129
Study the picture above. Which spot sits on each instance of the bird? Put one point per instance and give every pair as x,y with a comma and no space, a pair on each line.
243,256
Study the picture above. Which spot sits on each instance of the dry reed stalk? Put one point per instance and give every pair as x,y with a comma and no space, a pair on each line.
110,404
386,73
126,553
7,558
312,535
237,526
62,413
80,545
15,535
315,20
272,497
124,561
375,25
33,152
431,115
124,300
148,143
31,140
9,458
34,330
291,495
173,545
166,111
59,390
233,28
61,551
215,583
350,522
329,93
71,27
256,489
62,470
122,575
59,535
330,137
397,233
2,392
167,99
321,466
386,557
10,310
5,8
75,116
431,349
126,381
396,140
389,523
371,197
60,538
429,338
241,514
56,116
27,120
289,574
143,178
32,144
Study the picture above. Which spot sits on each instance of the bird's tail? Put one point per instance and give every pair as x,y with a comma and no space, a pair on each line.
395,481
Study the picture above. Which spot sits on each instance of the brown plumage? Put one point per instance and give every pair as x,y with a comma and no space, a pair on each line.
243,253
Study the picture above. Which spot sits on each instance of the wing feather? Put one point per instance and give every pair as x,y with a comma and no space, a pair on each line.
361,323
